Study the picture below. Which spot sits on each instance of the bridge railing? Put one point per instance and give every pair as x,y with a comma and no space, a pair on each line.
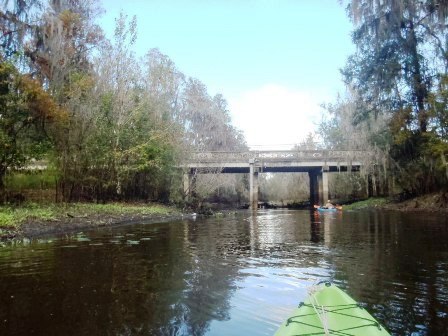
272,156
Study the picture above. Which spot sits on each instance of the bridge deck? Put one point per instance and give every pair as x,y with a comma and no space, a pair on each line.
277,161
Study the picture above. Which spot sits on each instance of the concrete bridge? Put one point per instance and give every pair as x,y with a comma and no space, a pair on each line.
317,163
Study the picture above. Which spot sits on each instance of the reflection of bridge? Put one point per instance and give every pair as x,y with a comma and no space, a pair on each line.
317,163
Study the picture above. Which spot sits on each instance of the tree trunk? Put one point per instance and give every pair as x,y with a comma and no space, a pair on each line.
419,88
445,164
2,184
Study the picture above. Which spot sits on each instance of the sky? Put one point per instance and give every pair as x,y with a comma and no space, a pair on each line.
274,61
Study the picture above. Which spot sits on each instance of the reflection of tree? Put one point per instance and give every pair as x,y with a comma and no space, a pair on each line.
392,262
155,287
210,278
315,226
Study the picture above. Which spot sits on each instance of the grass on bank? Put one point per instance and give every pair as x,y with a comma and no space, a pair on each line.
14,216
368,203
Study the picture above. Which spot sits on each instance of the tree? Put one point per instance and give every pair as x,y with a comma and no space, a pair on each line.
62,56
399,54
207,127
17,27
25,109
371,135
400,63
123,125
164,85
136,135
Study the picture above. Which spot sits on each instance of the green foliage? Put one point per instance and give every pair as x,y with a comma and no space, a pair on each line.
24,109
114,129
399,71
347,186
15,216
369,203
16,26
284,187
331,130
7,218
120,208
39,179
399,52
420,162
151,163
439,107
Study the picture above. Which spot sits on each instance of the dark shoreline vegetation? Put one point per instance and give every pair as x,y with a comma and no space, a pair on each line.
33,220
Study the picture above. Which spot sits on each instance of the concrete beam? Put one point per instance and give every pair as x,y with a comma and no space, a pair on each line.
253,185
187,185
325,193
314,187
320,189
304,167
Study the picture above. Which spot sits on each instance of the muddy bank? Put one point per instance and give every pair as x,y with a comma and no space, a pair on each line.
435,202
32,229
35,228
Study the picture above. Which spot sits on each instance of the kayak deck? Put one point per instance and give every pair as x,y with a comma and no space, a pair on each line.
330,311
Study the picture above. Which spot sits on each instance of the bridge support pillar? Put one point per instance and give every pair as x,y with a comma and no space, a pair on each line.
188,179
325,193
319,187
372,186
253,185
314,187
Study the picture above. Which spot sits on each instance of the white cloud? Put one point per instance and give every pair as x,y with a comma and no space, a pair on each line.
275,115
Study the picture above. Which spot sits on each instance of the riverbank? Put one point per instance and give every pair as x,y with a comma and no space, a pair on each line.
32,220
435,202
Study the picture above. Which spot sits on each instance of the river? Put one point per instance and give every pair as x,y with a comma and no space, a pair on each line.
240,274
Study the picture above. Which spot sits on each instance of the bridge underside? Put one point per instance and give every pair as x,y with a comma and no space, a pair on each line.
317,163
318,176
246,170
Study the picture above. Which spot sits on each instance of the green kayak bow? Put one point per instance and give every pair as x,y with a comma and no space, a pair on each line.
330,311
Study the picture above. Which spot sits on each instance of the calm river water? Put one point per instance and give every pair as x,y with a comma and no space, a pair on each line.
237,275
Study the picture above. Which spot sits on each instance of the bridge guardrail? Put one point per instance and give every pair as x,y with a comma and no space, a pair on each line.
271,156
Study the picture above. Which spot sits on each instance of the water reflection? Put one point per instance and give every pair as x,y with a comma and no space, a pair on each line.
229,276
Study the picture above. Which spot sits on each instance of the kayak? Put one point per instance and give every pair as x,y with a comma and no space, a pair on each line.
330,311
325,209
322,209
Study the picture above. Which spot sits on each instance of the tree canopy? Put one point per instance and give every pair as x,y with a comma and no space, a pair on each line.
398,73
114,126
